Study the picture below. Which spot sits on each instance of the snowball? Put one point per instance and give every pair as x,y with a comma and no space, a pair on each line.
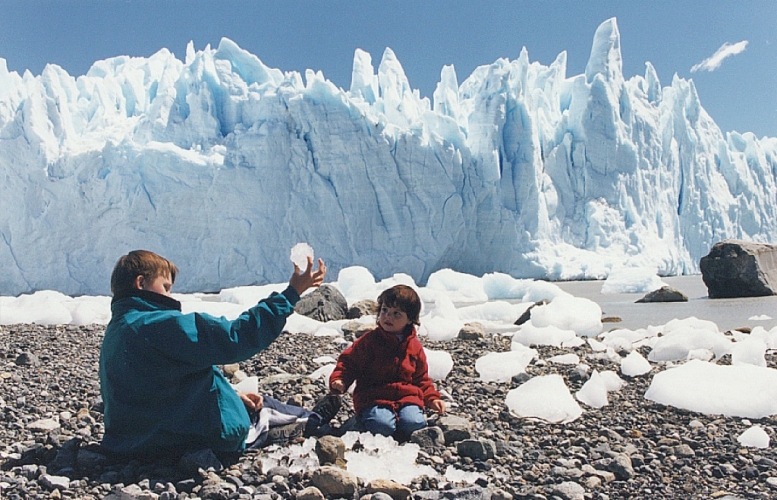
299,255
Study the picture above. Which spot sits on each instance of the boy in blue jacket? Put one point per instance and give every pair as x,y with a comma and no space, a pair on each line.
161,390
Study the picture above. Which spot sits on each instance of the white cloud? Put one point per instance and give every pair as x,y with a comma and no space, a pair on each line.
714,61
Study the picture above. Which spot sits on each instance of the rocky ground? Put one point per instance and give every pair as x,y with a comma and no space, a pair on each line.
632,448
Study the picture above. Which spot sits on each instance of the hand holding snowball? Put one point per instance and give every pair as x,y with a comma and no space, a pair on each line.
301,281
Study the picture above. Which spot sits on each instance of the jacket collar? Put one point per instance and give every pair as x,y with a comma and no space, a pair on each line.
157,299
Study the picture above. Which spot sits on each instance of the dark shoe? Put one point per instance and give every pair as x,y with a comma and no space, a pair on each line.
285,434
327,407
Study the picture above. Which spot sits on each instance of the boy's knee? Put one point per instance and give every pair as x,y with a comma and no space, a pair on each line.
411,418
379,420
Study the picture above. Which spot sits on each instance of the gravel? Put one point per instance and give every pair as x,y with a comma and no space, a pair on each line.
50,409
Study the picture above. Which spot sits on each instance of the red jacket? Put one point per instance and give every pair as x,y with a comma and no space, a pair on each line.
386,371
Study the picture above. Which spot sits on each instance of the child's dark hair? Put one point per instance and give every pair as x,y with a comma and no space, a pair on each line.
404,298
139,263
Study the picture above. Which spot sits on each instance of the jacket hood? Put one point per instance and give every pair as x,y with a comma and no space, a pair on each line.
158,299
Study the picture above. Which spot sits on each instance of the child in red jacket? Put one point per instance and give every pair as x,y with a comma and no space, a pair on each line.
389,367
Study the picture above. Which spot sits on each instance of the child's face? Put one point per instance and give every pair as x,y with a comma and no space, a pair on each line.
161,284
392,319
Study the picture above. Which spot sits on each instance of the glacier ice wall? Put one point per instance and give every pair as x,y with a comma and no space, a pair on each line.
223,164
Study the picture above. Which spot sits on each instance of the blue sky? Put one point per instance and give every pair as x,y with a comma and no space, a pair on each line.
740,93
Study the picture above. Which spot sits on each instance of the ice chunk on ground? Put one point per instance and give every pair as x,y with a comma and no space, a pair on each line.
735,391
530,335
632,280
503,366
583,316
594,391
546,397
565,359
440,364
382,458
754,437
751,351
634,365
611,380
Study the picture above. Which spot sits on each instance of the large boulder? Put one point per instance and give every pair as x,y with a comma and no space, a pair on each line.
736,268
325,303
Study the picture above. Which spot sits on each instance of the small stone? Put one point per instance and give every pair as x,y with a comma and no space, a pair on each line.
44,425
455,428
476,449
684,451
310,493
428,437
568,490
334,481
231,369
27,359
472,331
330,449
54,482
395,490
367,307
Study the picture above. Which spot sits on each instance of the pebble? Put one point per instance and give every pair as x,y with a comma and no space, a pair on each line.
51,424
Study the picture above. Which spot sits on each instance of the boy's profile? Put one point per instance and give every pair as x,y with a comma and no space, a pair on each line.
161,390
390,369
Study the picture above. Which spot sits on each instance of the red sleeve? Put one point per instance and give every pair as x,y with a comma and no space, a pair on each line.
421,377
348,364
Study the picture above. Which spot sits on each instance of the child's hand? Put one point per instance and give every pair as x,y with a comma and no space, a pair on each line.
337,387
252,400
438,405
301,281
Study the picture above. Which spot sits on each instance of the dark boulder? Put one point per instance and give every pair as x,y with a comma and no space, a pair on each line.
664,294
325,303
736,268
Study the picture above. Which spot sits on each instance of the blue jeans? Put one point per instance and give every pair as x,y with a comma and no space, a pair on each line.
382,420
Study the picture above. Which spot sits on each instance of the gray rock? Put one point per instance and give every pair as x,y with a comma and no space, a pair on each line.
205,459
27,359
455,428
356,329
44,425
568,490
310,493
325,303
428,437
476,449
620,465
664,294
367,307
335,482
469,493
472,331
526,316
330,450
736,268
54,482
394,490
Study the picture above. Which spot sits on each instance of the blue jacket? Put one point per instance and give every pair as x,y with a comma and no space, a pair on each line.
161,391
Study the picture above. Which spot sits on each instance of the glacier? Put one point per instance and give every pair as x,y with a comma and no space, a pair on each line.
223,164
